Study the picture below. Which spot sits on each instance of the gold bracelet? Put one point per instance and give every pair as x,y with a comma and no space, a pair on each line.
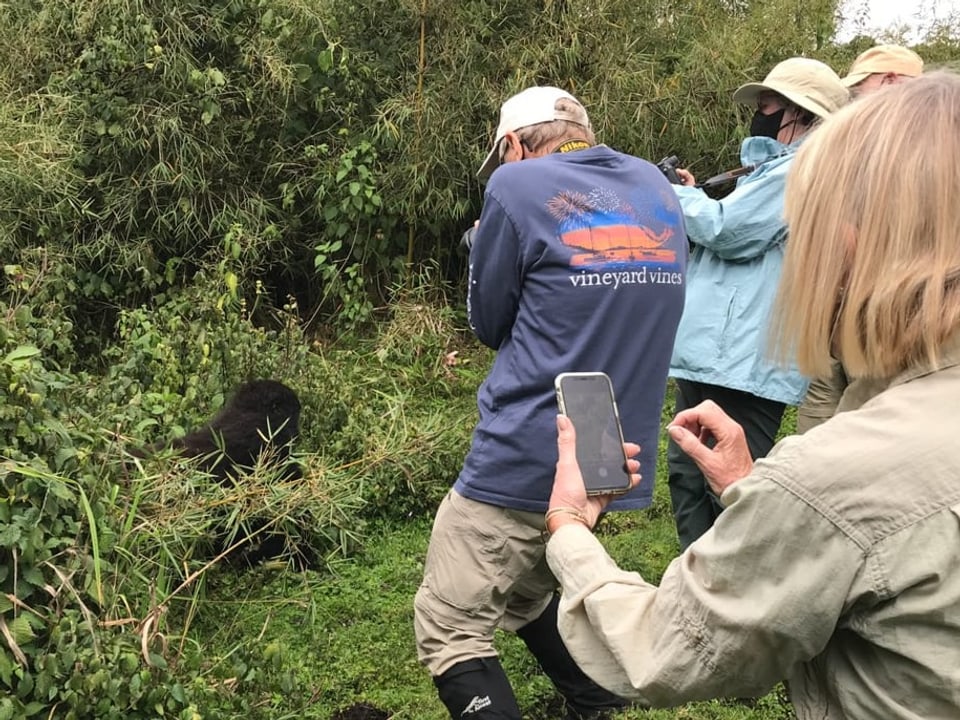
572,512
564,511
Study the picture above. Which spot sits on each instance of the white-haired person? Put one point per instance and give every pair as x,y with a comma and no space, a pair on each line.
577,263
835,565
876,68
738,245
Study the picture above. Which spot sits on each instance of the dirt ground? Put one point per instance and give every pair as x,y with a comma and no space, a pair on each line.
361,711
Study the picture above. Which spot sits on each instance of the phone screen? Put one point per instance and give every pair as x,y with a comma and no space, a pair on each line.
587,399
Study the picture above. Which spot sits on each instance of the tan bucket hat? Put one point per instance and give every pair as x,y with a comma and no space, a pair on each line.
805,82
884,59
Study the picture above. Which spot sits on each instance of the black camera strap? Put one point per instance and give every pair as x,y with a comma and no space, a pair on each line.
728,176
571,145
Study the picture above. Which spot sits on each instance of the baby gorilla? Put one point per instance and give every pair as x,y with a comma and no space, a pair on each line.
262,416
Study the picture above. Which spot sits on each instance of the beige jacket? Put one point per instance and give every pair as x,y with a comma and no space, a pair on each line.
836,566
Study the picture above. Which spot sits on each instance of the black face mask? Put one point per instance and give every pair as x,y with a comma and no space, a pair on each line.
766,125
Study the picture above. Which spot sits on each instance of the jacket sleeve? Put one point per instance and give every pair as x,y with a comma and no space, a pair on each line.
744,224
822,398
732,615
495,275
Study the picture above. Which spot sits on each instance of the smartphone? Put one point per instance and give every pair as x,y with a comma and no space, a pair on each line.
587,399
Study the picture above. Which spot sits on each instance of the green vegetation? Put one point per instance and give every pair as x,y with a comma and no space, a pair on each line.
198,193
107,564
349,636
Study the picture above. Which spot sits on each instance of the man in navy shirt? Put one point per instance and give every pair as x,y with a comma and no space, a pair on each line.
578,263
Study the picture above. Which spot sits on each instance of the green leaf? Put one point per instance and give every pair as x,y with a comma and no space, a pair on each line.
20,354
58,489
33,708
325,60
21,631
34,575
9,535
62,455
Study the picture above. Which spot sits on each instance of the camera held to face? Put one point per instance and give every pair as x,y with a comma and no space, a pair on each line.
466,240
668,166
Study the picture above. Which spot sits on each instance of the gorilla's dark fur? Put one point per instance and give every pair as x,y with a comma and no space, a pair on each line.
262,416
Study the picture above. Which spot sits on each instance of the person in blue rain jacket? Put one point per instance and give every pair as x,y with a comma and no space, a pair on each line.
722,351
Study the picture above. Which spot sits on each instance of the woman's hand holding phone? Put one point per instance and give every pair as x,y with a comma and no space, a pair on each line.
569,492
587,399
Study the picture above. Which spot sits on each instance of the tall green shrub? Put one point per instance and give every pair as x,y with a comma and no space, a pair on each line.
334,144
188,122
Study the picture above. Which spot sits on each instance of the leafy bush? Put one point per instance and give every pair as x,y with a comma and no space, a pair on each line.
53,543
331,145
412,393
99,578
108,558
136,146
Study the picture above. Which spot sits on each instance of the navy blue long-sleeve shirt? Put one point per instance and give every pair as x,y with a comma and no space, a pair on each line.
578,264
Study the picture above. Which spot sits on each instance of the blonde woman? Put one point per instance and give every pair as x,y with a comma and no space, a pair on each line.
873,70
835,565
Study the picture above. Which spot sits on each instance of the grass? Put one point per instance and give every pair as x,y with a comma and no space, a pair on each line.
347,637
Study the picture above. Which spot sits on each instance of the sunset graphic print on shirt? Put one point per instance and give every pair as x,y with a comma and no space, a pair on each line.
608,233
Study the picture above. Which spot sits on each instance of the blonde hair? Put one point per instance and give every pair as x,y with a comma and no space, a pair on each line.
872,267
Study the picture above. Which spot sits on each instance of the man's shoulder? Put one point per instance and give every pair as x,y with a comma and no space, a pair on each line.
604,154
560,164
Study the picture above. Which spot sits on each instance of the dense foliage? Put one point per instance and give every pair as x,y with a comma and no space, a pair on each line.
106,557
198,193
333,144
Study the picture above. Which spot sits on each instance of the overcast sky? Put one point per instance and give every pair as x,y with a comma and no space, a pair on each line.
885,14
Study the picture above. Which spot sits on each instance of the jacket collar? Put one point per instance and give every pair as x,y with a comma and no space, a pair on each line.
949,357
862,390
757,150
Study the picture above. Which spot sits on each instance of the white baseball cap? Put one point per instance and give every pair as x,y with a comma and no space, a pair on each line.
530,107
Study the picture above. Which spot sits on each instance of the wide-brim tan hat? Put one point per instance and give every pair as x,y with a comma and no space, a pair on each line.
807,83
532,106
883,59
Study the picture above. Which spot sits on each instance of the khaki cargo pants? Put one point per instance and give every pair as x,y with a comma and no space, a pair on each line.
485,568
